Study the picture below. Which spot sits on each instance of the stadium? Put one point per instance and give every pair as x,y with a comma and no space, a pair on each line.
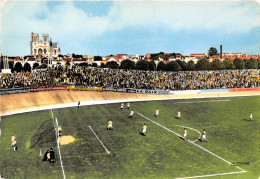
125,90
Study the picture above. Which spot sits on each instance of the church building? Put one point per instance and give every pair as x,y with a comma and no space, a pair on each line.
45,47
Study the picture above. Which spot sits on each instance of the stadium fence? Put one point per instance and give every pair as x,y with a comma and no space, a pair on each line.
118,89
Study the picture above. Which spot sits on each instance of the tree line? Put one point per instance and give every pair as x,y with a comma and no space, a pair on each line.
178,65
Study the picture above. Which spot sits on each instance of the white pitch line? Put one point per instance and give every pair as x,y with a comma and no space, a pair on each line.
190,141
159,124
58,145
211,175
99,139
210,101
191,129
0,136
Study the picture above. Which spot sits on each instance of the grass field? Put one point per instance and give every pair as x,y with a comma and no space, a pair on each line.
159,154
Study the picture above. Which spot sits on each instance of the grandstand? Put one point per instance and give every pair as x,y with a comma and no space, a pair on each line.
137,79
130,90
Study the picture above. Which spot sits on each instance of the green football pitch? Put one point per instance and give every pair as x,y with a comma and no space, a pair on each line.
232,138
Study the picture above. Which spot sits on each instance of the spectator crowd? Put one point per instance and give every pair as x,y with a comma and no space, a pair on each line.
137,79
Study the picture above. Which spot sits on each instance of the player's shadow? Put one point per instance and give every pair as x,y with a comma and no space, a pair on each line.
203,140
177,117
248,120
182,138
142,134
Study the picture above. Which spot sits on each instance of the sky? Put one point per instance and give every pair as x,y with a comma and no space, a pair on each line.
131,27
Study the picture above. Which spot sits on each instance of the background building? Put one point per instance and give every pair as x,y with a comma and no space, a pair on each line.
44,47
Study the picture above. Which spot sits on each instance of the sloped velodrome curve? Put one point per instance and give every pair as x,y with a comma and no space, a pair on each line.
16,102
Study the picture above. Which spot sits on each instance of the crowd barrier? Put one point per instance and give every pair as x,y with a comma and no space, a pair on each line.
115,89
108,89
84,88
14,90
243,89
126,90
47,88
214,90
152,91
132,90
180,92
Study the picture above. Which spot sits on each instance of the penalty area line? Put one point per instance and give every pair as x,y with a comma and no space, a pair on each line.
190,142
99,139
191,129
211,175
